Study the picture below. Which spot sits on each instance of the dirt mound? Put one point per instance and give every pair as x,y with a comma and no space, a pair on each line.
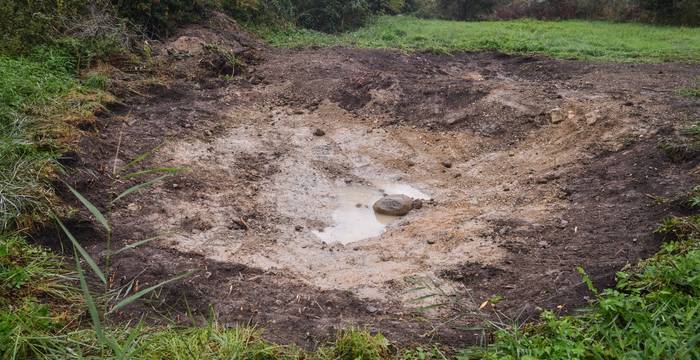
217,47
266,203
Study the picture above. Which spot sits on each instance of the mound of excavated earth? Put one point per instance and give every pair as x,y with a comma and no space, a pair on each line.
526,168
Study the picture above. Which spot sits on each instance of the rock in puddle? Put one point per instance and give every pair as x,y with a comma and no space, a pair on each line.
394,205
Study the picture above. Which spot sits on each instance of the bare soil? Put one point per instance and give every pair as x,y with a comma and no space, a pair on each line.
518,201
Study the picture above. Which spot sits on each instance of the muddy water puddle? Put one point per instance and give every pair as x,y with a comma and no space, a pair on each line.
354,219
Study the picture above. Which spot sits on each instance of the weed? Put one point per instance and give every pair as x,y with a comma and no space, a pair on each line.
96,81
683,147
353,344
420,353
692,92
221,61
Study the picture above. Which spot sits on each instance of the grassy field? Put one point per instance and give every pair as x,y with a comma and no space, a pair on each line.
587,40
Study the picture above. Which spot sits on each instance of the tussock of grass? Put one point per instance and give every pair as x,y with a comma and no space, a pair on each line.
588,40
211,342
354,344
38,298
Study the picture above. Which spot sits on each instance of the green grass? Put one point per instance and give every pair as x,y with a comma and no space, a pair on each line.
692,92
588,40
38,299
652,313
39,96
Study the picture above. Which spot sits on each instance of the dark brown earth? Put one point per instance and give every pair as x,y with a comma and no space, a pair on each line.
601,186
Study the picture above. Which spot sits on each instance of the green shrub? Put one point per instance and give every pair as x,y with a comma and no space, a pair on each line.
160,17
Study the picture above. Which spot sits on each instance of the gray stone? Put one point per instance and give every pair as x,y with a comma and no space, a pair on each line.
556,115
395,205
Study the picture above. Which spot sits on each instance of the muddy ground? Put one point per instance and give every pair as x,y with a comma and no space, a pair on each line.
534,167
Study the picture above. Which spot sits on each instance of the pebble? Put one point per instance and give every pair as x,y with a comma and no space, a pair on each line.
319,132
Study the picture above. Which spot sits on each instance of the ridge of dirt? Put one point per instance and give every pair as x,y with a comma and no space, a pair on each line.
523,202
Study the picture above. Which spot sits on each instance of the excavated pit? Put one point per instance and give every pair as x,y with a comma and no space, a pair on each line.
278,216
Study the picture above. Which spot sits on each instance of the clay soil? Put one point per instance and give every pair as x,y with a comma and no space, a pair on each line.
518,201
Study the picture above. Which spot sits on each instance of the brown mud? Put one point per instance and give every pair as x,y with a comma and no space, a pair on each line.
518,201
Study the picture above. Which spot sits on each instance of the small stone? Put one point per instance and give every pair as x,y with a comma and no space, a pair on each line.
319,132
395,205
556,115
593,117
417,204
358,205
431,241
298,228
372,309
446,164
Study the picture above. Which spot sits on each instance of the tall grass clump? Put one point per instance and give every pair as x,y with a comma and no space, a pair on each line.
25,169
39,99
38,301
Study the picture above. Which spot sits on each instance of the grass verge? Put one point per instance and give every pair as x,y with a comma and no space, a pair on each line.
652,313
586,40
39,100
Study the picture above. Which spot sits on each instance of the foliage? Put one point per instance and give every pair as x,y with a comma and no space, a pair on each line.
159,18
84,29
679,12
599,41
